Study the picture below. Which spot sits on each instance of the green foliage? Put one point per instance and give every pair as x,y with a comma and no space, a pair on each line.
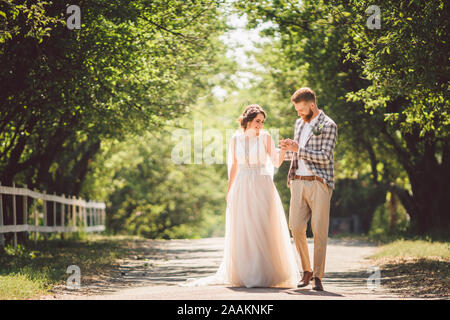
91,112
149,194
390,220
404,60
131,66
70,96
19,251
387,89
37,24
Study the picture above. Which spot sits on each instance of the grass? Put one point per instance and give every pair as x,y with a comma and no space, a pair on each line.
415,268
21,286
32,271
415,249
350,236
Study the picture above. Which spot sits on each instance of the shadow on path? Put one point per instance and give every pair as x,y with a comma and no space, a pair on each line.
286,291
159,263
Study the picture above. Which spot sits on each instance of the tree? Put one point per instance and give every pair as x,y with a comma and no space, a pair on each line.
407,63
392,112
132,66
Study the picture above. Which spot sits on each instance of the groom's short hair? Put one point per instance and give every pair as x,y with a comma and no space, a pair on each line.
304,94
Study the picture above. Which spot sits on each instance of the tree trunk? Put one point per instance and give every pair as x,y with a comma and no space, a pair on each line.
429,180
431,199
428,203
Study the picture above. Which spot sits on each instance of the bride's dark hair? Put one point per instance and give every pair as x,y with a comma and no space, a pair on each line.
249,114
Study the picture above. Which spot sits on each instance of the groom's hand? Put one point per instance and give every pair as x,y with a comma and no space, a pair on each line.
288,144
284,143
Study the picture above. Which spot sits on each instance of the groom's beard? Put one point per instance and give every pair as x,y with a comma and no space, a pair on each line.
308,117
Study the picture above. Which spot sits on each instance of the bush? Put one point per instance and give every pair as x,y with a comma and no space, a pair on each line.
390,220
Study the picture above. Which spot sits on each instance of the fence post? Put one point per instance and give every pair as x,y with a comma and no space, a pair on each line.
2,239
103,217
90,217
35,213
85,216
63,213
73,213
14,216
80,215
25,213
54,214
45,214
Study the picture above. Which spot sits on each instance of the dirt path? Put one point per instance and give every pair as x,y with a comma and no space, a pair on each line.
163,265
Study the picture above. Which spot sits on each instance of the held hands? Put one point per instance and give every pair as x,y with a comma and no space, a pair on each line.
288,144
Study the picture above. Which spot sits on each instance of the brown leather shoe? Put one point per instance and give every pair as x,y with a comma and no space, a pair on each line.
307,276
317,284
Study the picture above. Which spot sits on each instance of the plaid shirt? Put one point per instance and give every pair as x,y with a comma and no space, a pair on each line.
318,151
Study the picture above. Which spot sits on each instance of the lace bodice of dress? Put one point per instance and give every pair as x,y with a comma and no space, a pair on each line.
250,151
254,151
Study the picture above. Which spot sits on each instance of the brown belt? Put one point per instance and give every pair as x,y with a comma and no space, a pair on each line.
309,178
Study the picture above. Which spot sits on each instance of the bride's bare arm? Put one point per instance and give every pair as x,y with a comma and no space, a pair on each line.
232,174
233,171
281,157
276,156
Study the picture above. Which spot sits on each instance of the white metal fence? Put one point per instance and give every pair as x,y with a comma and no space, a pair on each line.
69,214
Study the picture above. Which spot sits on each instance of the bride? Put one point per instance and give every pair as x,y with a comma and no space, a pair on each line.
258,250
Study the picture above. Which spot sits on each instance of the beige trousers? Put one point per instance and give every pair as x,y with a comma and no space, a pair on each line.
310,199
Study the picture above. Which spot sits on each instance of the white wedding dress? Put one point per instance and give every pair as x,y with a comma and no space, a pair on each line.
258,251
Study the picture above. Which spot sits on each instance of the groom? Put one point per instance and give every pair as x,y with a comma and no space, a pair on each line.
311,180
